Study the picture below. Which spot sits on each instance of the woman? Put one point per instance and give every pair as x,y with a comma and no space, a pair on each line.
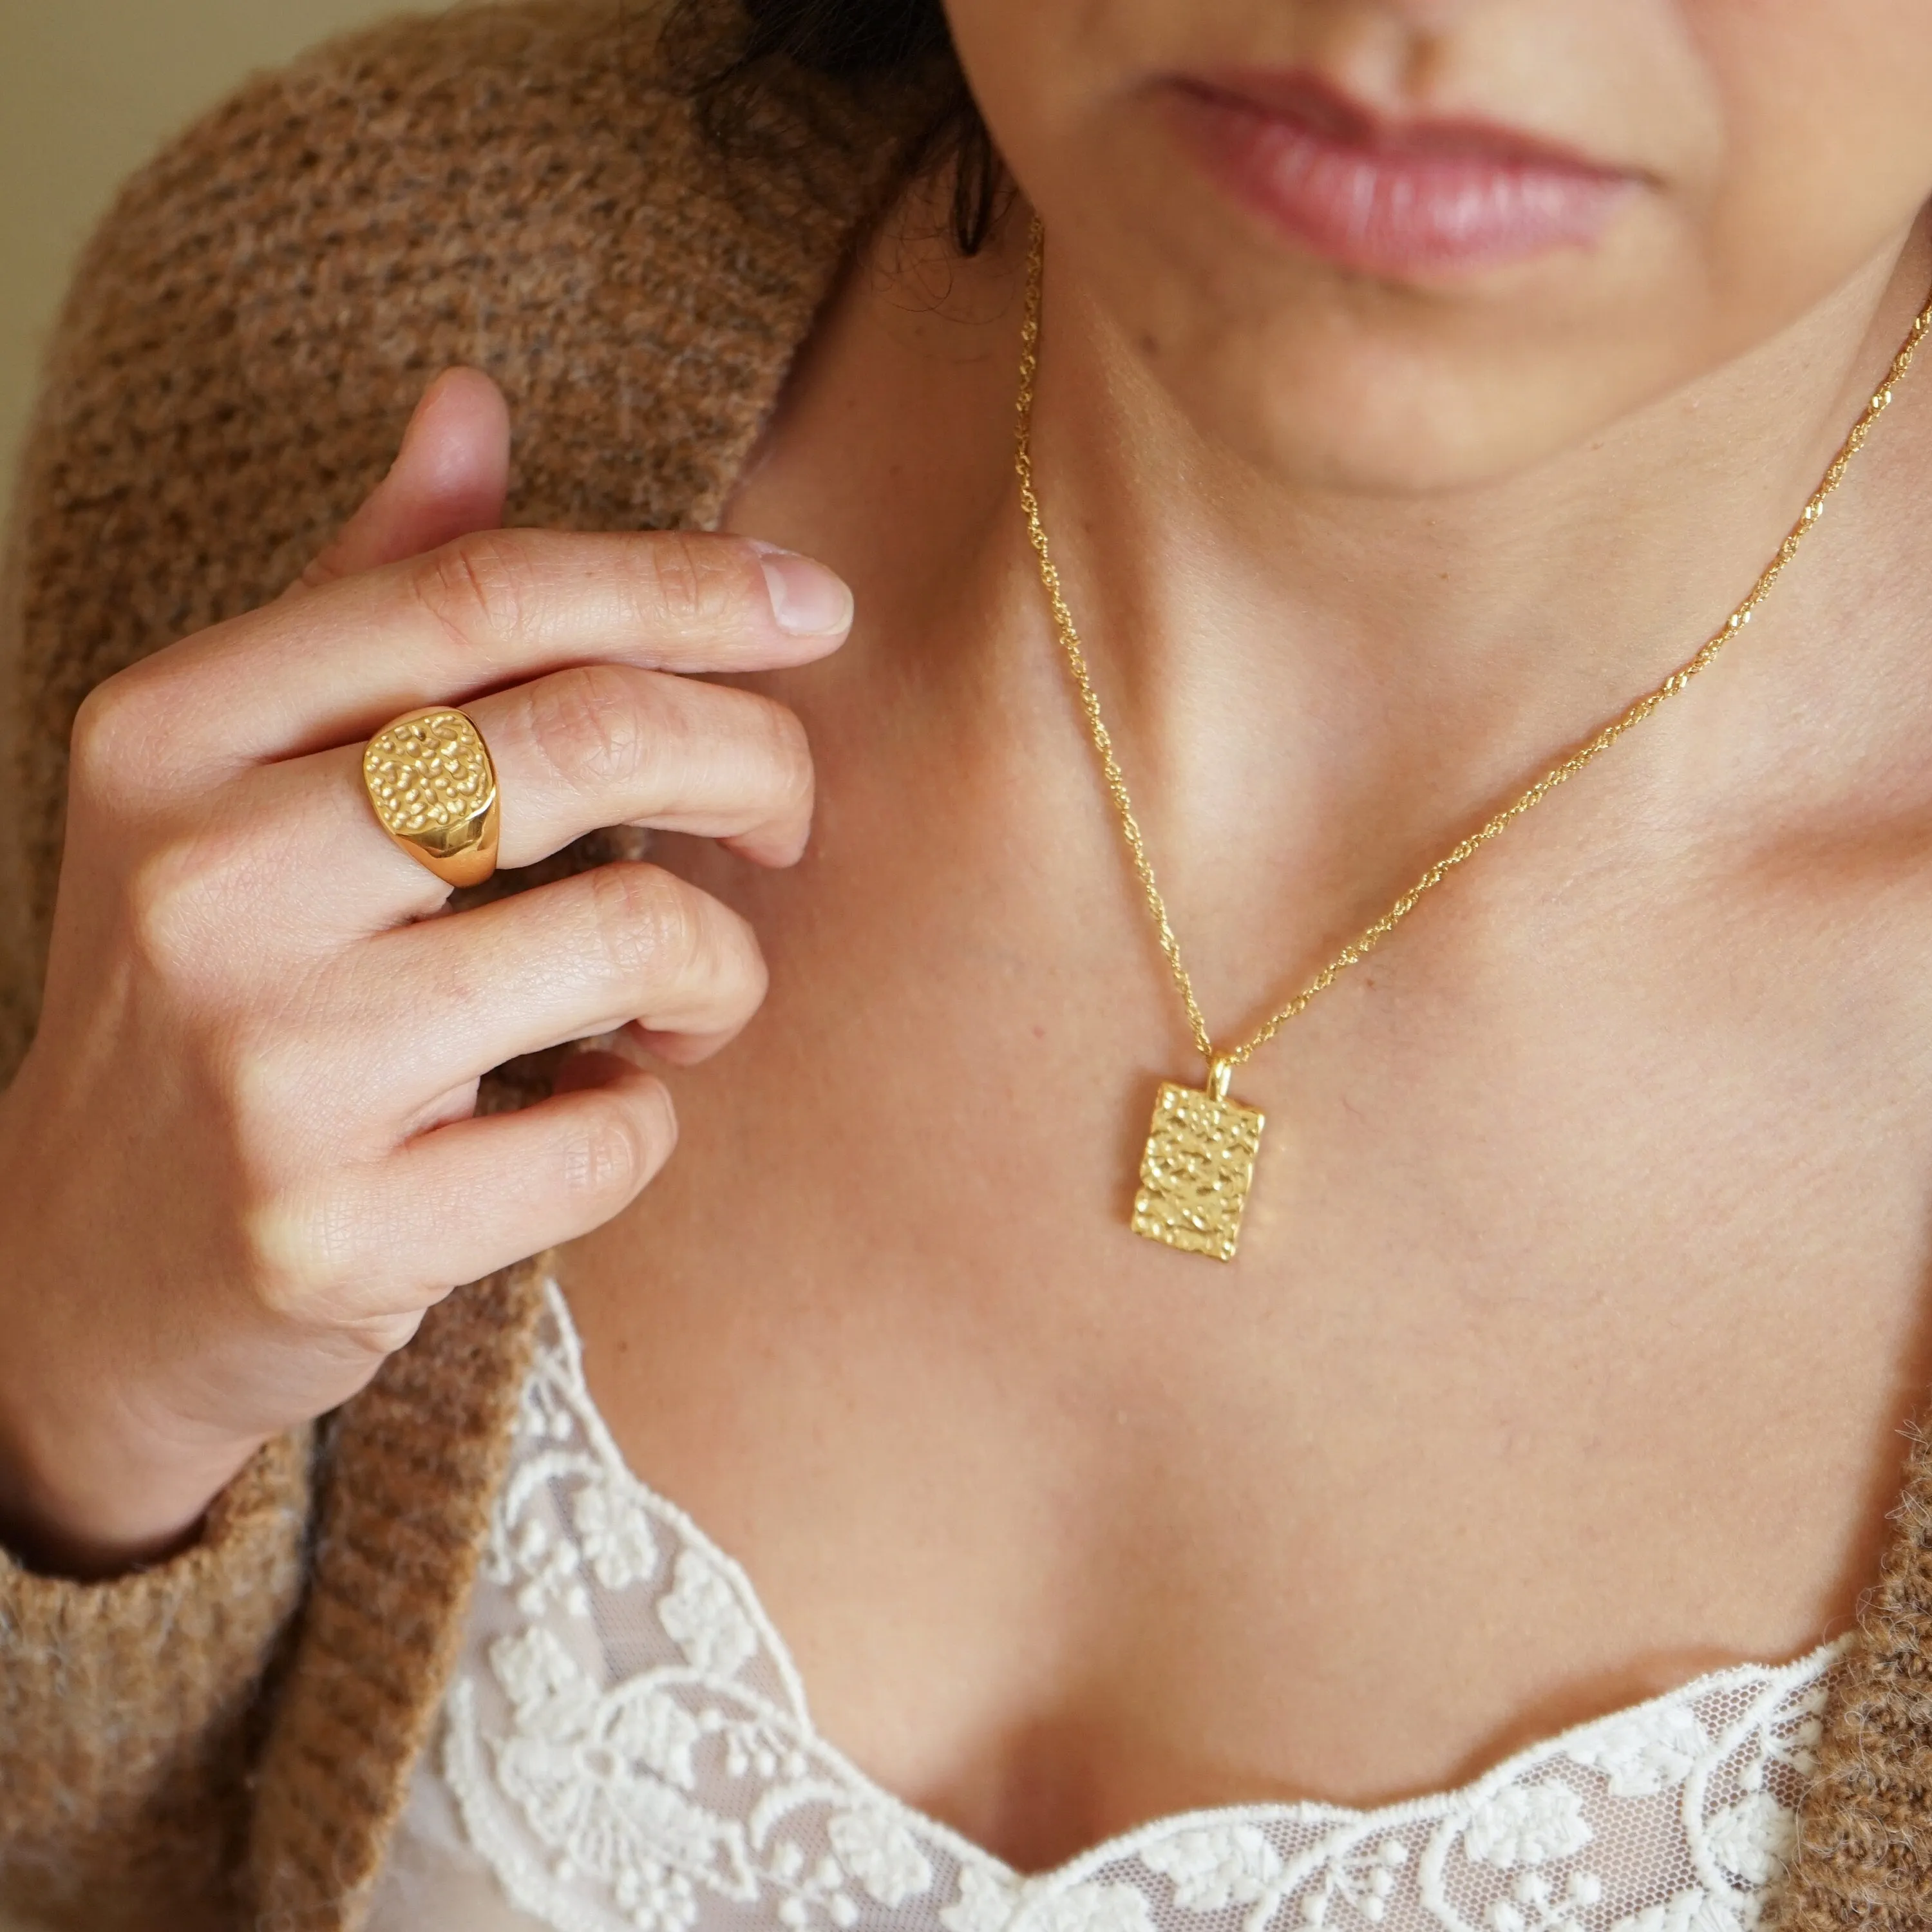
1418,383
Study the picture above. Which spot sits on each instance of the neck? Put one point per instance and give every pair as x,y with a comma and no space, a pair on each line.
1209,590
1318,687
1274,654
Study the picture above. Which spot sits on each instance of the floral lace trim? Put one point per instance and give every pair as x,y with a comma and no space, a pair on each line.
629,1745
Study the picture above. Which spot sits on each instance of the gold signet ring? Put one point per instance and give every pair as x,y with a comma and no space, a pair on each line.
434,790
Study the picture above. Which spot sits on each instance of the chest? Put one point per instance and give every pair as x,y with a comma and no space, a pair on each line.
1579,1306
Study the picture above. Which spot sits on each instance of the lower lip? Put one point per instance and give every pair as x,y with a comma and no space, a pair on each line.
1389,212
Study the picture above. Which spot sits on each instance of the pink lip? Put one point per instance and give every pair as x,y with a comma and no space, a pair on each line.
1392,198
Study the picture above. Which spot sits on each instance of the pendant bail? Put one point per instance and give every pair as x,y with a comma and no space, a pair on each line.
1220,1071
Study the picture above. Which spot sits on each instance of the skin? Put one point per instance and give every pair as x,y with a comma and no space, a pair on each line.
1582,1299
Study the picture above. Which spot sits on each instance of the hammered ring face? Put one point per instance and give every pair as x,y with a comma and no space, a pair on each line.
433,787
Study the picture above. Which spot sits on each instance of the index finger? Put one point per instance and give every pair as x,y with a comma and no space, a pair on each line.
488,611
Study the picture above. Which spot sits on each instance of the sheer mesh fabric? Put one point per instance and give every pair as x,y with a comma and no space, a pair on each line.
625,1746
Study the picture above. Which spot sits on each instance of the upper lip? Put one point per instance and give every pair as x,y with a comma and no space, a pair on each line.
1310,98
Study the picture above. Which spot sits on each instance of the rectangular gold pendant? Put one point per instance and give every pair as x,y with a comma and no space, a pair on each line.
1196,1172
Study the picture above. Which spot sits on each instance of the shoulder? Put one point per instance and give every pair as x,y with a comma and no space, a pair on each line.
513,187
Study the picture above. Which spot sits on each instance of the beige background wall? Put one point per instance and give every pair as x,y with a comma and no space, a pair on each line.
87,89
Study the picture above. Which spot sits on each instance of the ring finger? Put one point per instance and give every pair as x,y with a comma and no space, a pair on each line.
602,745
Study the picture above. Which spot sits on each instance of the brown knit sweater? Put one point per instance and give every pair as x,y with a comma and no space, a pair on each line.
225,1740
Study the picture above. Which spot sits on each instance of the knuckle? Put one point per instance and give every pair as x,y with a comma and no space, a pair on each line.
269,1078
299,1240
371,1339
171,918
320,1260
757,974
610,1154
192,905
645,921
790,756
725,961
693,583
294,1253
114,738
479,586
583,726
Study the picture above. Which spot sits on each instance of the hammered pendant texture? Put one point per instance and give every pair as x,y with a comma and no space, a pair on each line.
433,787
1196,1170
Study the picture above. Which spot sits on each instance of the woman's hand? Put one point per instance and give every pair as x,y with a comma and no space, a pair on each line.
240,1161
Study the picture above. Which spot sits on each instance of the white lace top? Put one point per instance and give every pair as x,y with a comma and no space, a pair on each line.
626,1747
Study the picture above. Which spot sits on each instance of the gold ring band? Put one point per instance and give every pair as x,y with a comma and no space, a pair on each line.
434,788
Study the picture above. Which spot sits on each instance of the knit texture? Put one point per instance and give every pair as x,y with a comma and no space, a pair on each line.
126,1715
225,1740
411,1471
1864,1854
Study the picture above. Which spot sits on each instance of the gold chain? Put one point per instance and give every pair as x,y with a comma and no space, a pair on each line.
1359,948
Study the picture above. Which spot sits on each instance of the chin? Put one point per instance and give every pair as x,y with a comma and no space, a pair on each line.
1319,372
1367,420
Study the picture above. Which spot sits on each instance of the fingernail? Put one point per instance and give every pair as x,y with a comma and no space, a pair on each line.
808,600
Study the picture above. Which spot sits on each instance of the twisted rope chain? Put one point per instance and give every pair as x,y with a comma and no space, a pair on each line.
1359,948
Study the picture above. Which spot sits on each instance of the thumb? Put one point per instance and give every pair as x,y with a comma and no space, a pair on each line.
450,477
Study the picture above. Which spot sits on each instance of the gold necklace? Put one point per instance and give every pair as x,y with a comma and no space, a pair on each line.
1199,1161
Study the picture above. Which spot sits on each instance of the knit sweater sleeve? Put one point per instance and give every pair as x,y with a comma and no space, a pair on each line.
127,1714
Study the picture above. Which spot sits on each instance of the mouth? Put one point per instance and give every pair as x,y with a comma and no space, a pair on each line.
1397,198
